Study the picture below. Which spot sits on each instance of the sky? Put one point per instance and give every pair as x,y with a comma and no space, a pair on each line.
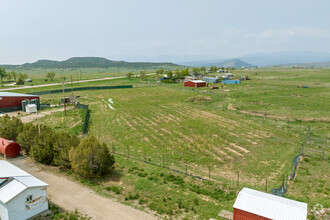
137,30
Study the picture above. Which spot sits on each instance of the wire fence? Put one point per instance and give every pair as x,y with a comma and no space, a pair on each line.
209,173
80,89
86,119
304,151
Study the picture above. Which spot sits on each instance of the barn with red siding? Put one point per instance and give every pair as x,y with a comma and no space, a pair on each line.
195,83
10,101
252,204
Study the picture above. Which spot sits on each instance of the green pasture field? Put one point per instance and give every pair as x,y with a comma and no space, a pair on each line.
223,131
38,76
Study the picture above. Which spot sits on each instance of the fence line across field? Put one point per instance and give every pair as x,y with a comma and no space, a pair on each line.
205,172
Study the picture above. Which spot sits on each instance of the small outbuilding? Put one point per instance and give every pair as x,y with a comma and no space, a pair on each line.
231,81
10,101
195,83
211,79
31,108
22,196
253,204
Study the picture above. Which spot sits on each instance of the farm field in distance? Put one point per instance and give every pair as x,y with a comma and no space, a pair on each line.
217,134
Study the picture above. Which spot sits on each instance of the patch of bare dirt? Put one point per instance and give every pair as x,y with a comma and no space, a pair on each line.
239,147
230,107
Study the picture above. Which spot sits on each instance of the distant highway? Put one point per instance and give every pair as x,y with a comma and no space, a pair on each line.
56,84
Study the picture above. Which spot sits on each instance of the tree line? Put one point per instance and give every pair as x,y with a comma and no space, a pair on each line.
19,78
88,157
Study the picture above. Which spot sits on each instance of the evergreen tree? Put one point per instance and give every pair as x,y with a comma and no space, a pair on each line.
91,158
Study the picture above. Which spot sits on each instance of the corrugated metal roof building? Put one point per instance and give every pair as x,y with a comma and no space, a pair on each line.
231,81
253,204
195,83
22,196
211,79
10,101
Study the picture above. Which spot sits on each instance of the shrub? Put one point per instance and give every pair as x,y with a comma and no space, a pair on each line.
38,146
20,81
91,158
42,149
10,127
62,145
116,189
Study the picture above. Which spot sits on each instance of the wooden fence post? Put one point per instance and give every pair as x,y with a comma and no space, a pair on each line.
238,179
163,161
186,168
209,172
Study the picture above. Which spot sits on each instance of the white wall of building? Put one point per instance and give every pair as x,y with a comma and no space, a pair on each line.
17,207
3,211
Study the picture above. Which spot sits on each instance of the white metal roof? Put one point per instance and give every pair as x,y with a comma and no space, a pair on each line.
197,81
30,181
270,206
18,181
11,94
31,105
10,190
9,170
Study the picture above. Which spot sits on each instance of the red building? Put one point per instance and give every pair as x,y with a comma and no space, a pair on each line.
10,101
195,83
9,148
255,205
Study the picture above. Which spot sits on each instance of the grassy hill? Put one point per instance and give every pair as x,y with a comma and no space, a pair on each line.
88,62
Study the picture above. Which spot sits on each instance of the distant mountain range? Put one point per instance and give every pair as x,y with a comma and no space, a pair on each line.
90,62
286,58
236,63
272,59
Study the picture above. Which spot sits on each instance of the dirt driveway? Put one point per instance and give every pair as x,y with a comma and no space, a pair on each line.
25,117
71,195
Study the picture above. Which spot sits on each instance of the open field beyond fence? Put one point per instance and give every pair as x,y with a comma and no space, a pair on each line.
239,135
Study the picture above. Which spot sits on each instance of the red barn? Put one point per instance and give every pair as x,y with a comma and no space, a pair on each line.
10,101
195,83
9,148
252,204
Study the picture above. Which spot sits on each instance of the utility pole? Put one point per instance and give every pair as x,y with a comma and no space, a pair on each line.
71,86
77,79
64,100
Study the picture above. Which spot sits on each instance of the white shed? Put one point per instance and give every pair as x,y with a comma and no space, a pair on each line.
31,108
253,204
22,196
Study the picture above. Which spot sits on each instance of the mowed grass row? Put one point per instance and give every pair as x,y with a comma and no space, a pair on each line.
158,121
